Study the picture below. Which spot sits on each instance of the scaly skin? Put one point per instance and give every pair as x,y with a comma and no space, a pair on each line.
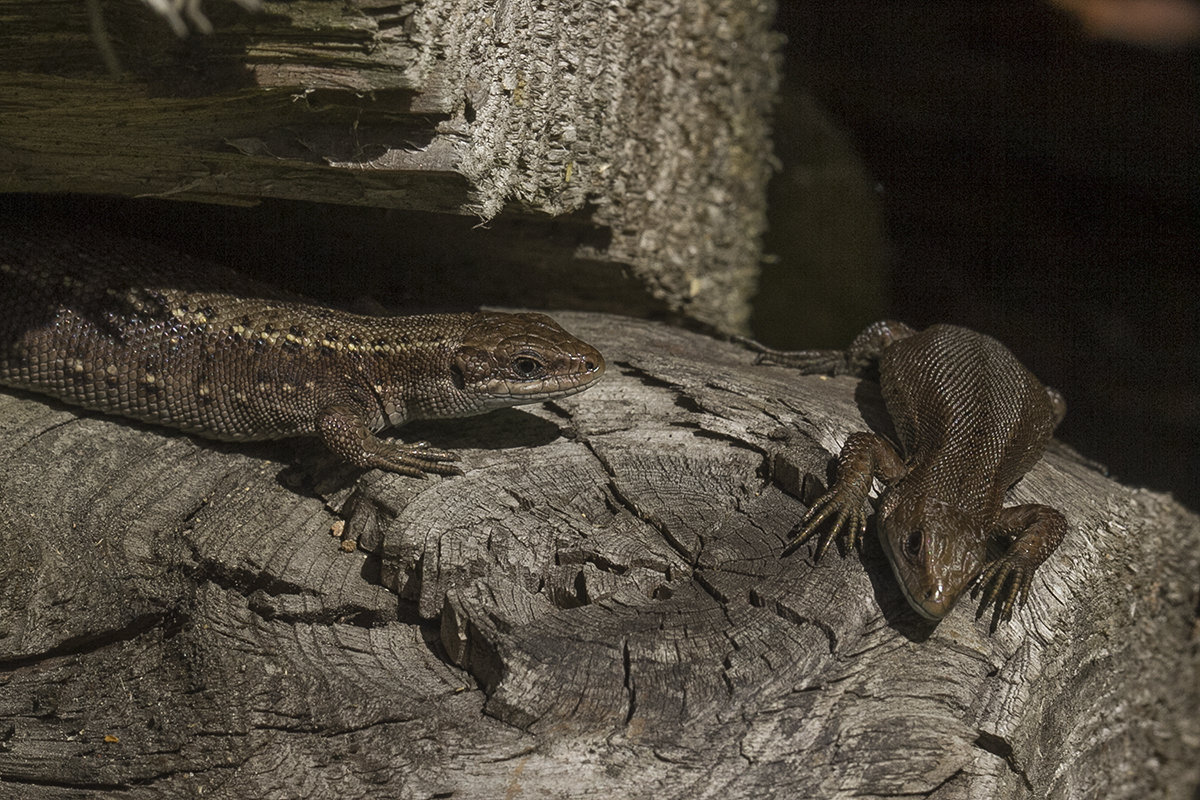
971,420
127,328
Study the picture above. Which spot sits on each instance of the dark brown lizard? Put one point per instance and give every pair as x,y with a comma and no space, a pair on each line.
971,420
125,327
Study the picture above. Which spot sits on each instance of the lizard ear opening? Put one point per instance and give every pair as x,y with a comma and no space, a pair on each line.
456,376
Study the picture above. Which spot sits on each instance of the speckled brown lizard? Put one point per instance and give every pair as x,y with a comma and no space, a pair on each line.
970,420
125,327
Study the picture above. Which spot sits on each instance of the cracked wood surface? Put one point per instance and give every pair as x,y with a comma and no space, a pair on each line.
597,608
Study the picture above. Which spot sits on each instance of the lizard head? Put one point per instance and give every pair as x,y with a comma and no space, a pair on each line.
510,359
935,549
457,365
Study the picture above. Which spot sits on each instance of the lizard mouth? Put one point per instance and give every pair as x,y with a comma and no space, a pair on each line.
933,605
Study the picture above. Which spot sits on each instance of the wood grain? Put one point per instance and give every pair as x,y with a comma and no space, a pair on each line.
647,123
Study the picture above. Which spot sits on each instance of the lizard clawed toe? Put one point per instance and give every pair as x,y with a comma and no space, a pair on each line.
415,459
848,522
1005,583
422,451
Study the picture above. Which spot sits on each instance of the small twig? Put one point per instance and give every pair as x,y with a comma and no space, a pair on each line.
100,37
171,11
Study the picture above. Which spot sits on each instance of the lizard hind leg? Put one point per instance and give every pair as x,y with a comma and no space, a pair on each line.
808,362
1058,404
855,360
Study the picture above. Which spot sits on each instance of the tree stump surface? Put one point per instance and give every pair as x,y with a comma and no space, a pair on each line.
596,608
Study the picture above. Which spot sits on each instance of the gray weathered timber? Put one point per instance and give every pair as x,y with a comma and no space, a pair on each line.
596,609
646,123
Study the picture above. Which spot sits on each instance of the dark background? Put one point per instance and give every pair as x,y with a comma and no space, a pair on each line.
991,165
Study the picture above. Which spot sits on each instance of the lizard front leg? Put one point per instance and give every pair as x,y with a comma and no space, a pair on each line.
342,429
1036,531
864,457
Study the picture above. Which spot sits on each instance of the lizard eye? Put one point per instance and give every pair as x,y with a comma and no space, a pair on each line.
527,367
912,545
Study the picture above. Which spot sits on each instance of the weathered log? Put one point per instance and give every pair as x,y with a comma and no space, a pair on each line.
642,126
597,608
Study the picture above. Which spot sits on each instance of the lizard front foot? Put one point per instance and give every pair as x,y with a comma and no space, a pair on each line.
849,521
861,457
415,459
1036,532
1005,583
343,431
